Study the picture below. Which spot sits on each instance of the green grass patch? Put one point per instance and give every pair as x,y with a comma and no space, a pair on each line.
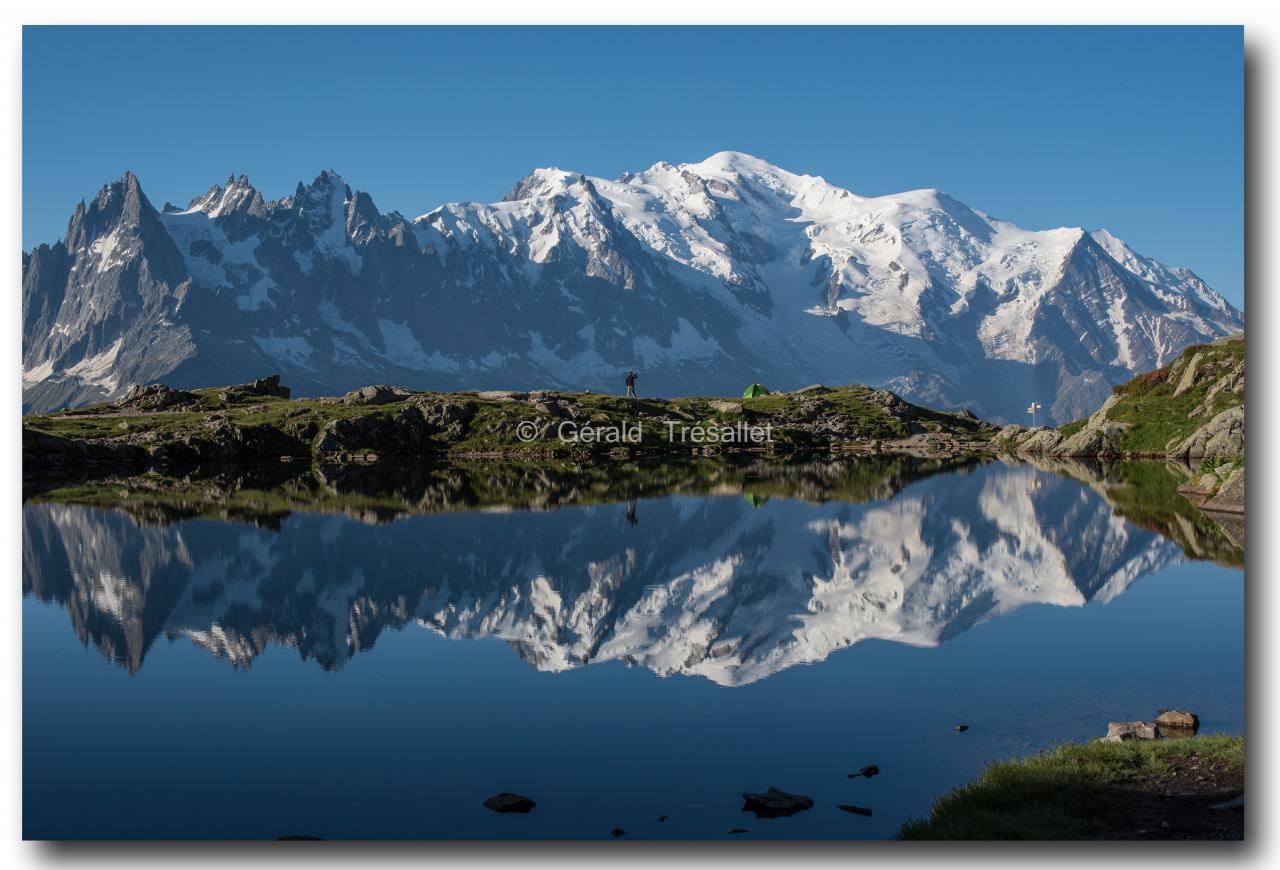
1056,796
1155,417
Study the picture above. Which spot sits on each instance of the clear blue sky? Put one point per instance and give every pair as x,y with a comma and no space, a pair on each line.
1139,130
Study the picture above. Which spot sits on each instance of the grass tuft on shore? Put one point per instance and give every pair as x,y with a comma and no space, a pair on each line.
1061,795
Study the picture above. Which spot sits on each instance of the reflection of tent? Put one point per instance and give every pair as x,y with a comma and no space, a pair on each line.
754,499
754,390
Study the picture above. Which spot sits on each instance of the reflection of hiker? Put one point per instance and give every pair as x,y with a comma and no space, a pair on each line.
631,512
631,385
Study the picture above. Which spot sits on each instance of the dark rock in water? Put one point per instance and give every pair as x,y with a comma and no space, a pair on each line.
739,830
775,803
662,818
869,771
960,729
856,810
618,832
1118,732
1178,720
509,802
299,837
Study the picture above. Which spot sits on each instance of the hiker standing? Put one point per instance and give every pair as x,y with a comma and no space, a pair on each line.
631,385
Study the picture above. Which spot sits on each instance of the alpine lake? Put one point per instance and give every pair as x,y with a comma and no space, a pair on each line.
371,652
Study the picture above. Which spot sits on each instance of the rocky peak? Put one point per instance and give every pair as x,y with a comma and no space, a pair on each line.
119,204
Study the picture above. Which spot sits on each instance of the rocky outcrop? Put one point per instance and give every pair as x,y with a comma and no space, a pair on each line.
268,387
403,433
1230,496
1095,439
378,394
157,397
1222,437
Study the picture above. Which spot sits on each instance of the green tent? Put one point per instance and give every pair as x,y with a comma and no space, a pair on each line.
754,390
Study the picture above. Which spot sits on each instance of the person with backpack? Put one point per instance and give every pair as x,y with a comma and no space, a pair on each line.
631,385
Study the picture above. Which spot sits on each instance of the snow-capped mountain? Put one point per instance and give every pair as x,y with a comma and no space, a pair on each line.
711,586
702,277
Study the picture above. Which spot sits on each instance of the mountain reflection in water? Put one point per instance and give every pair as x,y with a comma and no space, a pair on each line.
729,571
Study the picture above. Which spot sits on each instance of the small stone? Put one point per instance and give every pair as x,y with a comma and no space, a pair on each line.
856,810
960,729
509,802
662,818
618,832
739,830
869,771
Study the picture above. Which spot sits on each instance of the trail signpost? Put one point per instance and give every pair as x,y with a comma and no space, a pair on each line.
1031,409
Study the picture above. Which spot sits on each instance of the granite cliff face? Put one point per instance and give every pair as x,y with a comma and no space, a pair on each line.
703,277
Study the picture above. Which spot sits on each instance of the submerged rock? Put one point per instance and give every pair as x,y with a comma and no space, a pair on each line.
960,729
618,832
869,771
1178,720
775,803
856,810
510,802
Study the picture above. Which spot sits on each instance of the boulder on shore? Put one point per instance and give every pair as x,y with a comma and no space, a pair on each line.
1222,437
1230,495
1118,732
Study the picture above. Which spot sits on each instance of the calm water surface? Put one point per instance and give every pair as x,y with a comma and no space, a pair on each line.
223,666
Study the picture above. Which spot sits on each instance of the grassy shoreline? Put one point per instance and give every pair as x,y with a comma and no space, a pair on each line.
252,422
1137,789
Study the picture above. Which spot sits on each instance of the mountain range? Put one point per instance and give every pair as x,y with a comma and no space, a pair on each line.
702,277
